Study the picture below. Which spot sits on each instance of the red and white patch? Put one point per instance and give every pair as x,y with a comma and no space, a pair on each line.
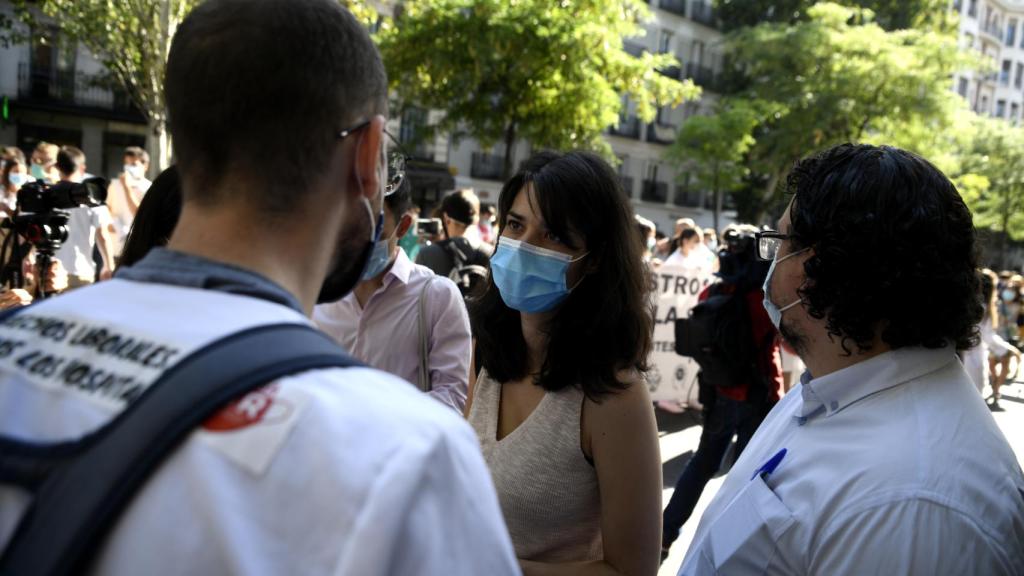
246,411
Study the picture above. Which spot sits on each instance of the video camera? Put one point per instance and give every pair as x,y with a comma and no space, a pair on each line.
42,219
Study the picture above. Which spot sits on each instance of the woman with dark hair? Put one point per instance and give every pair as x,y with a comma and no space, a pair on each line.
560,407
156,218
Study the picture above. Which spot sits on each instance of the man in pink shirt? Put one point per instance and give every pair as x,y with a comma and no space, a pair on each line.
404,319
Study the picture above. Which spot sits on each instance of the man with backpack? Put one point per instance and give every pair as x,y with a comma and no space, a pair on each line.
459,256
317,465
733,340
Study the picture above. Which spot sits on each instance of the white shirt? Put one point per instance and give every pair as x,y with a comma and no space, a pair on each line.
338,471
892,466
117,201
385,332
694,260
76,254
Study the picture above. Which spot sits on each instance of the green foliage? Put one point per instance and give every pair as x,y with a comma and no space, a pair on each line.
551,72
992,182
713,148
837,77
890,14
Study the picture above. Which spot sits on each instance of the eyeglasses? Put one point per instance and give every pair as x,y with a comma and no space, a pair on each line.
768,243
396,159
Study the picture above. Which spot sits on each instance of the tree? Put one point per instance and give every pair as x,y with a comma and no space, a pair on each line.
991,168
551,72
131,38
836,77
890,14
713,148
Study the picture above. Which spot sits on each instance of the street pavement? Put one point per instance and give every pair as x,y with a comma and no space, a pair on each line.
680,434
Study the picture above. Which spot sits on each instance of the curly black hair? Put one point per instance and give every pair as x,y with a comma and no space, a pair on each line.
894,249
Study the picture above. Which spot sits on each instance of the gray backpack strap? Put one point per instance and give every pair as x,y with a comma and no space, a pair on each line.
424,334
84,485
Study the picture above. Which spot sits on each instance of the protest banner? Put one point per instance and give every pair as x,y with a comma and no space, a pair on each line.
675,292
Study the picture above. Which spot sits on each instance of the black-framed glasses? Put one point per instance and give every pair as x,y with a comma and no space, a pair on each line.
396,158
768,243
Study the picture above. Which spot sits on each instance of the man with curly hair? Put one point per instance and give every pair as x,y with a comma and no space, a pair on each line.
884,459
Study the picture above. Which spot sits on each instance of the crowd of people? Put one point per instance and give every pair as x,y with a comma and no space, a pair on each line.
494,418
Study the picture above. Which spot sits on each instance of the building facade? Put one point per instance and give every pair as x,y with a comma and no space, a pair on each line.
993,29
53,90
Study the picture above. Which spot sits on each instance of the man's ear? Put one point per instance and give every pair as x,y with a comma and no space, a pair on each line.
403,225
367,158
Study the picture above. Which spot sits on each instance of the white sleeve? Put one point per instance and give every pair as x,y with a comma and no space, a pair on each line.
913,536
451,345
433,510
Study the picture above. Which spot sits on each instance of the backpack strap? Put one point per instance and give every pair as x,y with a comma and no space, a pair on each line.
80,498
424,334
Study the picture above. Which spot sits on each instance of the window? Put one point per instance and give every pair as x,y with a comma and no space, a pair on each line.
984,105
1011,32
972,8
961,89
1000,108
1004,74
665,42
697,53
1014,112
1018,78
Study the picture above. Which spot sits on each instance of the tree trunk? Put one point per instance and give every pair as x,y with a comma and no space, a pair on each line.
157,144
510,142
718,202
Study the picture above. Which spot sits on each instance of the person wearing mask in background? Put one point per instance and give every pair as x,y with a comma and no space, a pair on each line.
458,213
560,406
688,254
13,175
44,163
1005,354
711,240
352,471
884,459
648,241
88,228
488,216
125,193
402,318
976,360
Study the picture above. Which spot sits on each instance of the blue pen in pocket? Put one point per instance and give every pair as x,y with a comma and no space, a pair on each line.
768,467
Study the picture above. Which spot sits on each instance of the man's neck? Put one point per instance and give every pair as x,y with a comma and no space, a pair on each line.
235,235
825,356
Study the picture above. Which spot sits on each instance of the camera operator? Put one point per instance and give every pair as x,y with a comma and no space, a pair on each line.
459,254
88,228
326,471
731,408
56,281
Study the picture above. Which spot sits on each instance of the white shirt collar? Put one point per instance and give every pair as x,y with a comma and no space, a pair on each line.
834,392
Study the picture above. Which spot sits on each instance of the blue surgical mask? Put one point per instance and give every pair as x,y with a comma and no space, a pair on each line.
37,172
1009,295
529,278
652,243
379,260
17,179
774,312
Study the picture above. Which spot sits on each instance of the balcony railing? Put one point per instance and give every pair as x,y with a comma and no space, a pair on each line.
632,48
653,191
701,75
671,71
627,128
686,197
673,6
660,134
703,13
69,89
487,166
995,32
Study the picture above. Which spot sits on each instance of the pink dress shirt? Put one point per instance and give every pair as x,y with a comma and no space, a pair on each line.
385,333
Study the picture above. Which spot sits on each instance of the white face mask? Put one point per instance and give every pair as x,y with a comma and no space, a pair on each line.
134,170
774,312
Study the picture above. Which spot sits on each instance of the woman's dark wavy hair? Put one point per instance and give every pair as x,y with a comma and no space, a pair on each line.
894,248
606,324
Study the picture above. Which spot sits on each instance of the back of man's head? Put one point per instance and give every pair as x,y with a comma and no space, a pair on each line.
893,248
70,160
462,206
260,90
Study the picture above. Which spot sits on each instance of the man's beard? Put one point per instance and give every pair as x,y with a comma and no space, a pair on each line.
350,257
794,338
